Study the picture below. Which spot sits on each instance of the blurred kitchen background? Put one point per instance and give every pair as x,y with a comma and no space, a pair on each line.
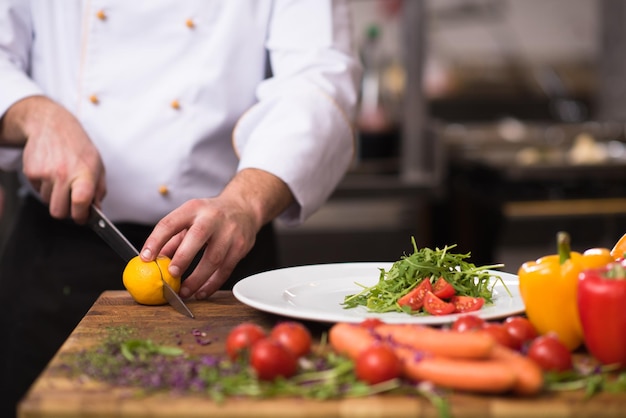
490,124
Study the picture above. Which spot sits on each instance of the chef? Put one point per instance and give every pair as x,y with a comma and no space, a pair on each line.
192,124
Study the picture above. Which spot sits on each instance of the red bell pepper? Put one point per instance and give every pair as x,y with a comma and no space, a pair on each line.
602,311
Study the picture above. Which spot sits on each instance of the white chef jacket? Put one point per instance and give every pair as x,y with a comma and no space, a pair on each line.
175,94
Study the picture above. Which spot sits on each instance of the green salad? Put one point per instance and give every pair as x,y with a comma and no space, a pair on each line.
436,266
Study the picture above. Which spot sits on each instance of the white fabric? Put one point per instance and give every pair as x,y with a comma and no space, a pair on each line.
138,57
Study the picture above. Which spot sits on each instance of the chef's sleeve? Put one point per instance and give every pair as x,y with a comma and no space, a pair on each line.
301,128
15,83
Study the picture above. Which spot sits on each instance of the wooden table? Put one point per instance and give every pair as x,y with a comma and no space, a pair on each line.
56,395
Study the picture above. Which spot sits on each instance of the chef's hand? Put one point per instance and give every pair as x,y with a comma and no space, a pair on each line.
225,226
59,159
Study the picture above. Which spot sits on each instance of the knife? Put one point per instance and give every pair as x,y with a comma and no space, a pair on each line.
111,235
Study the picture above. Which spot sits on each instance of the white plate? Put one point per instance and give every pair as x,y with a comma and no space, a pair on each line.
316,293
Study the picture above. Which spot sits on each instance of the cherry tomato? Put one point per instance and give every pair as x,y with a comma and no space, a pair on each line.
294,336
377,363
501,335
270,359
415,298
468,323
442,289
435,306
467,303
550,354
371,323
242,337
520,329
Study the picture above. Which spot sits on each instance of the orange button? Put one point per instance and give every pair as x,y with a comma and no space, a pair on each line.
101,15
163,190
175,104
190,24
94,99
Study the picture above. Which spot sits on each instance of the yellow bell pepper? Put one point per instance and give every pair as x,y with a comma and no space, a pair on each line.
548,287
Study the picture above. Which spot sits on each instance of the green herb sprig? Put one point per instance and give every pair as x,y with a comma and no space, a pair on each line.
592,380
425,264
124,360
140,350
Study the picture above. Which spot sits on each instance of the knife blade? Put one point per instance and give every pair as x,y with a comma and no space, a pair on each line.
99,222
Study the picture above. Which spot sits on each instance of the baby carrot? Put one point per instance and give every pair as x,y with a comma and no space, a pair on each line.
479,376
488,368
350,339
445,343
529,375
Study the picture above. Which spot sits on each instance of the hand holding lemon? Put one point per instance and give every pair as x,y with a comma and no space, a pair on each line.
143,280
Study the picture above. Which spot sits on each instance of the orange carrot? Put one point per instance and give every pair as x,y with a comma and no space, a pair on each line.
350,339
493,368
446,343
529,375
480,376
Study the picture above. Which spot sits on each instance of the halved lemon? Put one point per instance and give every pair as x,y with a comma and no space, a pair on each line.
143,280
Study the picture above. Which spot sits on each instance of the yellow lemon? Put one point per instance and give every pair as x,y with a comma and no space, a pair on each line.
143,280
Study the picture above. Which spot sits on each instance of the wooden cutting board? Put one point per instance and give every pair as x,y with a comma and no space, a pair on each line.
56,395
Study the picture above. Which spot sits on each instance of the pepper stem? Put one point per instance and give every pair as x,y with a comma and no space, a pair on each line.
616,271
563,246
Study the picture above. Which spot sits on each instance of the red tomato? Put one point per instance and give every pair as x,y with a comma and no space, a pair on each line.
294,336
468,323
467,303
501,335
242,337
270,359
415,298
377,363
435,306
550,354
442,289
520,329
371,323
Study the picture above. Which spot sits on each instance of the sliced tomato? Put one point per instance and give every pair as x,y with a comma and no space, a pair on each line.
436,306
415,298
467,303
442,289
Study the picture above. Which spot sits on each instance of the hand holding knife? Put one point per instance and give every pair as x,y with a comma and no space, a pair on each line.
118,242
